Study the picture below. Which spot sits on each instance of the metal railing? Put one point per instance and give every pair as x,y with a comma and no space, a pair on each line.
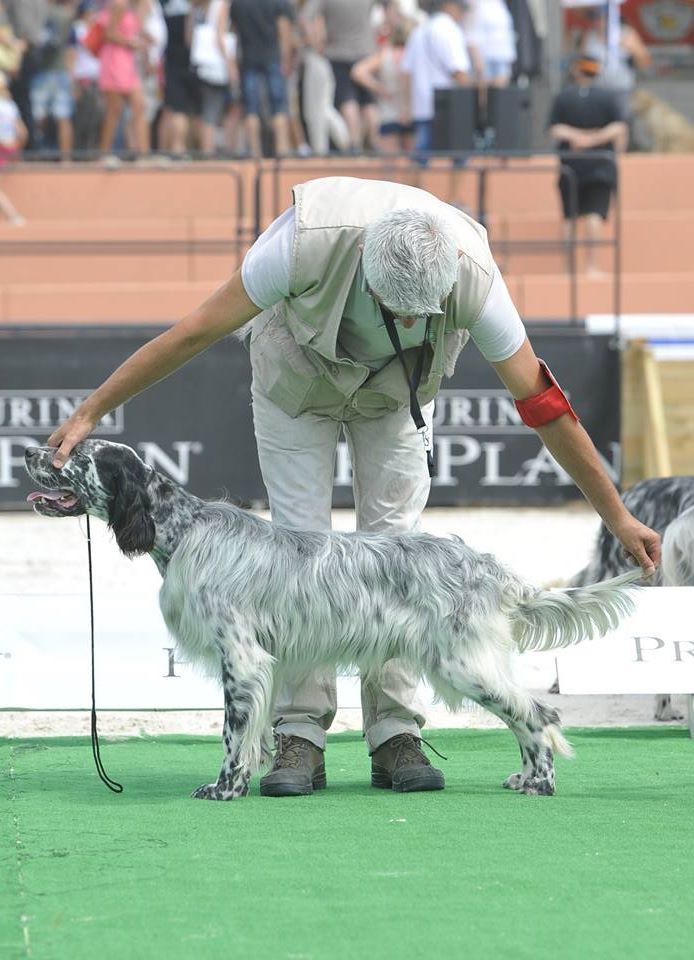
259,193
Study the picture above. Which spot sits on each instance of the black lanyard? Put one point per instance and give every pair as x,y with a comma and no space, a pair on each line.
412,381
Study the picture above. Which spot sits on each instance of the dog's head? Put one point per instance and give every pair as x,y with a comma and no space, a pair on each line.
105,480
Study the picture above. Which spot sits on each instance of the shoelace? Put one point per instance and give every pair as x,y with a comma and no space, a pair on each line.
407,747
290,751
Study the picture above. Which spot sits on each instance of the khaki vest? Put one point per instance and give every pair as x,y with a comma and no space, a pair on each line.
293,345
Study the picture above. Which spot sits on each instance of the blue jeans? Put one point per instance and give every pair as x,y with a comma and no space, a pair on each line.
423,140
271,75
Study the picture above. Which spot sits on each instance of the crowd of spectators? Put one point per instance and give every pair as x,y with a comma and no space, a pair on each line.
246,77
258,77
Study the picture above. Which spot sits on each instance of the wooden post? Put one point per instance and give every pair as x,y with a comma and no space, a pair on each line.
658,462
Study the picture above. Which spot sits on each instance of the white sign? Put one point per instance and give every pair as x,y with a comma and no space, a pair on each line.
45,658
652,651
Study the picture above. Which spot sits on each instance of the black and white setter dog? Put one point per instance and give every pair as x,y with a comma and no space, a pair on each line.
257,603
665,504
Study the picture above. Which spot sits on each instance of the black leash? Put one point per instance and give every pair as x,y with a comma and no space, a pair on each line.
111,784
412,381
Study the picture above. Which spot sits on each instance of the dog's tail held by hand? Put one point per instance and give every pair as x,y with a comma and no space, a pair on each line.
549,619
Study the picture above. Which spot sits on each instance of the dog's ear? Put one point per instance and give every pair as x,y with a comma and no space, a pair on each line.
130,510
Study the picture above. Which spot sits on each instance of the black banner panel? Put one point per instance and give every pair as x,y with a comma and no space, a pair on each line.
197,425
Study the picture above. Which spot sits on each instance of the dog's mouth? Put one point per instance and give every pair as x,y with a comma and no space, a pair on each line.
56,503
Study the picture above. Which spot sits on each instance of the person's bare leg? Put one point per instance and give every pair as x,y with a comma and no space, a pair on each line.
177,133
114,106
280,129
140,125
10,211
352,117
593,228
253,134
66,138
369,115
206,136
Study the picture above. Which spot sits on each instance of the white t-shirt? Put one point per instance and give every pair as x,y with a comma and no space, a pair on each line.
489,27
434,52
497,333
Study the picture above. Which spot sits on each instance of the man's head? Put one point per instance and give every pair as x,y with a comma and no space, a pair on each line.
586,69
410,261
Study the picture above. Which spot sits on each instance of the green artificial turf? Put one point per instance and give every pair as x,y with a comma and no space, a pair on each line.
603,869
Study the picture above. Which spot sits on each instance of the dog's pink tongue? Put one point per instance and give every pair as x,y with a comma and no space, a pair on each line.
45,495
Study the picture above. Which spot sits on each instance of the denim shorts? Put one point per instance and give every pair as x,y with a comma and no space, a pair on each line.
51,95
252,79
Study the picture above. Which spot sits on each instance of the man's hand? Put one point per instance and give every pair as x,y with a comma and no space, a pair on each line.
68,435
640,543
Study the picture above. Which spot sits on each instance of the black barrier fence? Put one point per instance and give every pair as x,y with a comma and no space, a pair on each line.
196,426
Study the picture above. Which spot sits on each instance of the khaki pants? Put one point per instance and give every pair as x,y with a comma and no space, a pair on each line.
391,486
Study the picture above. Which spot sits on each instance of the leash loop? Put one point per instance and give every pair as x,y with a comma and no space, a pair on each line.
111,784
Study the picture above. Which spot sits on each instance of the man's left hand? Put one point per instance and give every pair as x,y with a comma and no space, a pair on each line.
640,543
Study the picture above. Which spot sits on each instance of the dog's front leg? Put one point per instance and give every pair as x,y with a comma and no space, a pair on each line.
247,677
233,778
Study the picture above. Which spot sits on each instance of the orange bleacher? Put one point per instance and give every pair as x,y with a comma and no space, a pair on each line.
145,244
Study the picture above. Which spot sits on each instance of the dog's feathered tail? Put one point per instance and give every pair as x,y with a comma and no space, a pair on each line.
560,618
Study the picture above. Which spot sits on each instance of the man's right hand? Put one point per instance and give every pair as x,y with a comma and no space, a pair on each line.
68,435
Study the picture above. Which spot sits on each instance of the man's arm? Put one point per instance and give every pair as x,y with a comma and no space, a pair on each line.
616,133
225,311
571,447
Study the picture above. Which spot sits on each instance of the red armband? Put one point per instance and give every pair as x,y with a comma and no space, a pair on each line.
547,406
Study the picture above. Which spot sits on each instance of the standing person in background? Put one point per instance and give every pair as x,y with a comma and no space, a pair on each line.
381,74
435,58
27,18
150,64
214,62
51,87
491,40
632,54
179,80
324,122
586,118
264,29
119,80
13,136
345,35
85,68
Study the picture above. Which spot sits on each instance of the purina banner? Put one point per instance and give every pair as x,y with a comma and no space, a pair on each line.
197,427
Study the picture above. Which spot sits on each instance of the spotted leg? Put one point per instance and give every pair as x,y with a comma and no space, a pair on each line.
535,725
247,679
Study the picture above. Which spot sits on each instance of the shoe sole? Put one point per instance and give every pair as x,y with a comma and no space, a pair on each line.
412,785
293,789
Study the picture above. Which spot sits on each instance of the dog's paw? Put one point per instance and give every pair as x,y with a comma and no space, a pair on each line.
220,791
514,782
668,713
537,786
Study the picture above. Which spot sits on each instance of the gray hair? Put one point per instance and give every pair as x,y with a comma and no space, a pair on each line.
410,261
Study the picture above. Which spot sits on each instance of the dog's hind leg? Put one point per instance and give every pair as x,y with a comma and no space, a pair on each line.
535,725
247,677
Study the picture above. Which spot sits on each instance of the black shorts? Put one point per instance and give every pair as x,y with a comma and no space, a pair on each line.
590,197
346,89
181,90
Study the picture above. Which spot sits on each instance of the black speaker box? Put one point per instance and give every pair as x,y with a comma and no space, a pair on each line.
508,114
455,118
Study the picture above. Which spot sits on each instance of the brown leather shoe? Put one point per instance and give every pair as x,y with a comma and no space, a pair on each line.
400,764
298,769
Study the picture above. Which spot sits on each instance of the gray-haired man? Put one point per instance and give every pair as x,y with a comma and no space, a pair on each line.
355,281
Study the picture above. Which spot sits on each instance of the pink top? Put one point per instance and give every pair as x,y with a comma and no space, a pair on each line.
118,63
